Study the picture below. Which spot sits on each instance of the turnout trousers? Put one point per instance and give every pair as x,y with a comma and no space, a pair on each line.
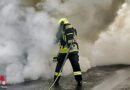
74,60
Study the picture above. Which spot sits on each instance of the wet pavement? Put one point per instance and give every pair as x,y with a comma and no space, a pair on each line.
98,78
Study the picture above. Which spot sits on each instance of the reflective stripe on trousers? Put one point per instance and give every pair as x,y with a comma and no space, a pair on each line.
78,73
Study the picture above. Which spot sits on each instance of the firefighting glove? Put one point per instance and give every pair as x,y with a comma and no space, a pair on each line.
55,59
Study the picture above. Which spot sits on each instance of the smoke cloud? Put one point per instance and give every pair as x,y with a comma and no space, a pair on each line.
113,45
26,41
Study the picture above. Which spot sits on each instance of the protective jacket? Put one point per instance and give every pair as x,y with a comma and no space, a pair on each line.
66,36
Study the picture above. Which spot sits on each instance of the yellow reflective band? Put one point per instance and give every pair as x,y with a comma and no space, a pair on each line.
77,73
66,22
66,49
69,33
68,26
57,74
65,38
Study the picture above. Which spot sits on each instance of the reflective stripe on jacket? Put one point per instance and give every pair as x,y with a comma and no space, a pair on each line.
65,49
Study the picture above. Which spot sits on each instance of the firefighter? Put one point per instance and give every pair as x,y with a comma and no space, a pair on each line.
66,37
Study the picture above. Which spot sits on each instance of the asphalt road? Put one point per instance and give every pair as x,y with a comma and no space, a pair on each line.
116,77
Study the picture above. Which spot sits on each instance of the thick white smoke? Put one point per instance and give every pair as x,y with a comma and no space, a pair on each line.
26,41
113,45
85,15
